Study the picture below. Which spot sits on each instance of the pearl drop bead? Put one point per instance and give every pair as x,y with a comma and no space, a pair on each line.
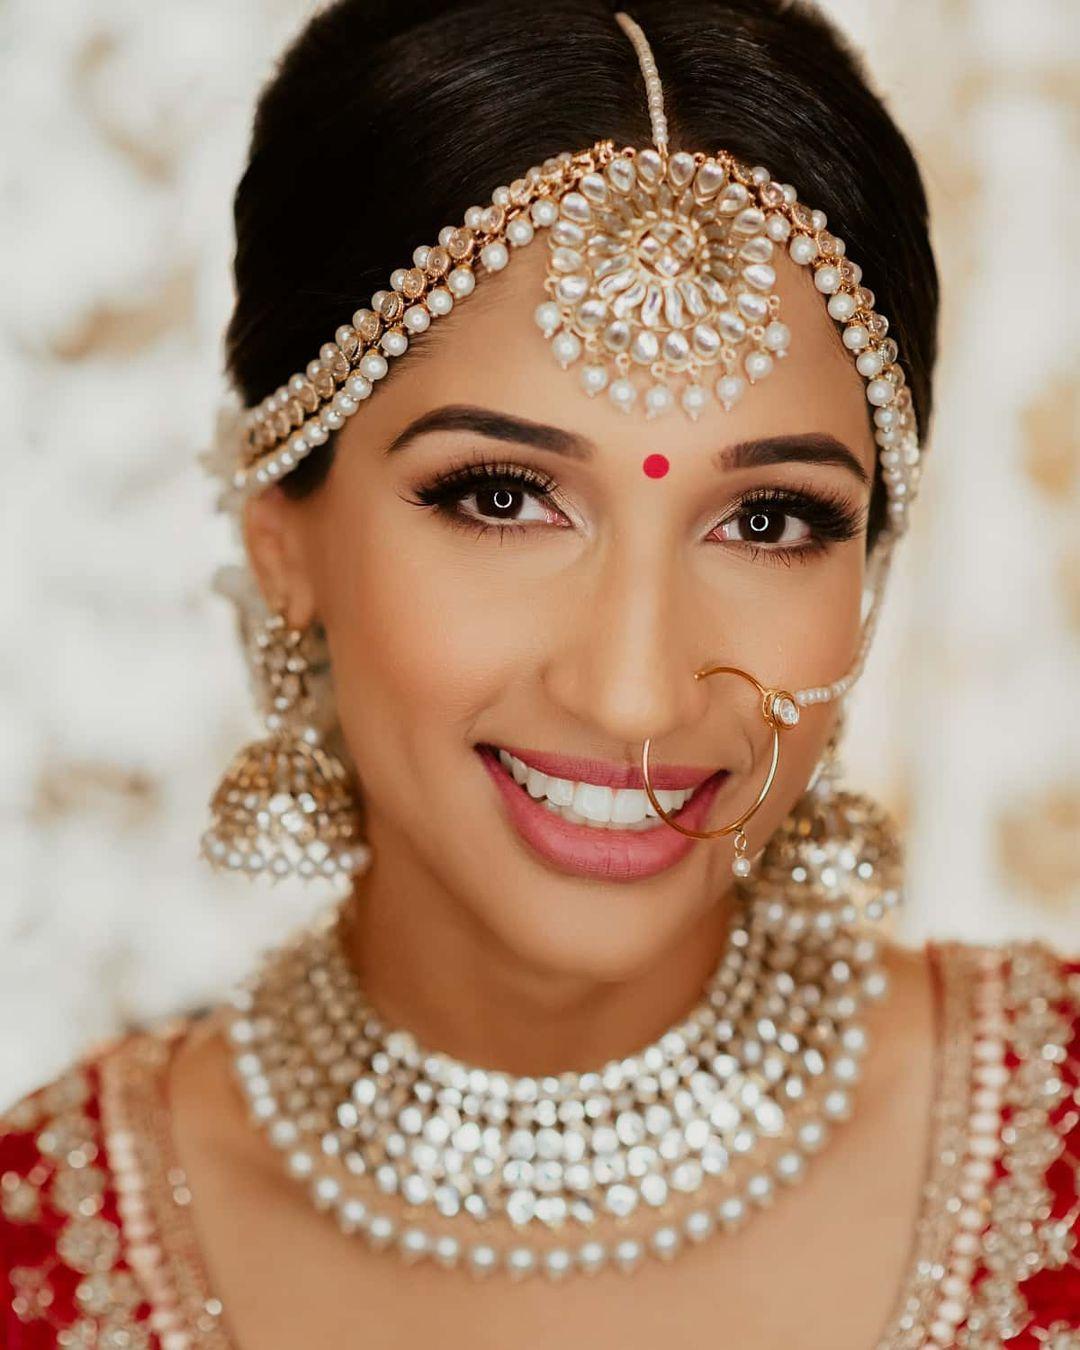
802,249
380,1229
658,399
414,1244
855,337
694,399
591,1256
421,255
593,379
446,1249
841,305
494,256
731,1212
440,301
622,393
482,1258
557,1262
473,217
351,1214
666,1242
520,1261
880,392
790,1166
777,337
777,228
757,365
827,280
394,343
397,278
520,232
567,348
358,387
462,281
416,319
869,364
729,389
628,1253
544,212
741,867
373,366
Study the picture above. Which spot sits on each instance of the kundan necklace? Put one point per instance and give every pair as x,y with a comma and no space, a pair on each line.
465,1165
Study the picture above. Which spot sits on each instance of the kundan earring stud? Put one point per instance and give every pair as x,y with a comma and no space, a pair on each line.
780,713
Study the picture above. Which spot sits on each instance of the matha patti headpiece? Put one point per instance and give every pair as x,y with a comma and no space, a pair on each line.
660,293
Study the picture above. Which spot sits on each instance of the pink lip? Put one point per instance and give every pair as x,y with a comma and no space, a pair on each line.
611,855
606,774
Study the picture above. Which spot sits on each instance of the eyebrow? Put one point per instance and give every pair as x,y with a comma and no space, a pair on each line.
814,447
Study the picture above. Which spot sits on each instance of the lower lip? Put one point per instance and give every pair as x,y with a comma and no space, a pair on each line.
611,855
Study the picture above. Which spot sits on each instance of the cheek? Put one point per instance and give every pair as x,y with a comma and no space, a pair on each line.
423,633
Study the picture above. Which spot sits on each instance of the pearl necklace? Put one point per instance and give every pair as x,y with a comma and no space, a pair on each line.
688,1135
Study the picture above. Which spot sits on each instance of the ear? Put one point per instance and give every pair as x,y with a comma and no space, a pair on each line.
273,530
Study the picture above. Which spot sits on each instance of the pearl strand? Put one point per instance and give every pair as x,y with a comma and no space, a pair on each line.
653,88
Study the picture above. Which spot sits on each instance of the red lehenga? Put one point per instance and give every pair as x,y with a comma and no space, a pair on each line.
97,1249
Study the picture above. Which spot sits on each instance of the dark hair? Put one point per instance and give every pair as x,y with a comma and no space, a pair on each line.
388,118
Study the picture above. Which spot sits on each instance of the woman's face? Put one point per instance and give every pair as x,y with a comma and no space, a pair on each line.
496,569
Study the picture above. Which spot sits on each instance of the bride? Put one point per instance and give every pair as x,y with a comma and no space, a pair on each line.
573,452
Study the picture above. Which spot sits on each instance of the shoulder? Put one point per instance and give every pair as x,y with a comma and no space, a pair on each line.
78,1253
1010,1069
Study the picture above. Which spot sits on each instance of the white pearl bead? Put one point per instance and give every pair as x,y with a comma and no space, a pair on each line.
376,304
421,255
567,348
446,234
694,399
836,1105
880,392
855,337
757,365
818,219
440,301
827,280
397,278
300,1163
760,1189
729,389
622,393
380,1229
520,1261
741,867
325,1192
414,1244
500,196
628,1253
777,337
666,1242
698,1225
473,217
777,227
869,364
790,1166
547,316
802,249
358,387
416,319
373,366
351,1214
462,281
557,1262
658,399
447,1250
841,305
544,212
494,256
394,343
731,1212
591,1256
482,1258
520,232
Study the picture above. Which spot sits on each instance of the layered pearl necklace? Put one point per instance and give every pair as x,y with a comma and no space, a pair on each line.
462,1164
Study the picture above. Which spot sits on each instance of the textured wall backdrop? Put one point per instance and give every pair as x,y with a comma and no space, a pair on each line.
121,692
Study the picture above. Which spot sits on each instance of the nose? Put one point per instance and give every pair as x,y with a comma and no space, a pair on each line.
630,645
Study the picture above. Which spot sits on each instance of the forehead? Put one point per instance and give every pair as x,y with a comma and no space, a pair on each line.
489,351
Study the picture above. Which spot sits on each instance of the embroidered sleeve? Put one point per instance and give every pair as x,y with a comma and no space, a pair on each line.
1026,1288
64,1281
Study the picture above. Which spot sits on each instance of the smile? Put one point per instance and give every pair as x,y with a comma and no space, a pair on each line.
592,818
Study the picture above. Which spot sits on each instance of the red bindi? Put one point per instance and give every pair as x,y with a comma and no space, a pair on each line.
655,466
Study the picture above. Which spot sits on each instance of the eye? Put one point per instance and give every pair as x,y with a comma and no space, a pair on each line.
485,495
765,524
786,524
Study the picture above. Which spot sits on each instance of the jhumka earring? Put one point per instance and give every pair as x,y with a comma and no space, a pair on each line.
781,713
837,850
285,804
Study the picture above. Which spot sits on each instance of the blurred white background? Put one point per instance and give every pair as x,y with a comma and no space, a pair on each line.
121,689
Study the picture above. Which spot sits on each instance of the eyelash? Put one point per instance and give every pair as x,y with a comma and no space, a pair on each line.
830,515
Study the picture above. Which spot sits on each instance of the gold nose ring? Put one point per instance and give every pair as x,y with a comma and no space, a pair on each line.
780,713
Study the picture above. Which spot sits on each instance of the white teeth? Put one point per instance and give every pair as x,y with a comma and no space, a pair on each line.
593,803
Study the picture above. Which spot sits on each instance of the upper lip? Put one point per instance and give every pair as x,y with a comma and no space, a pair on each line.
607,774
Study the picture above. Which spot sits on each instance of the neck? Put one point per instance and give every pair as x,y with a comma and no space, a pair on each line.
429,964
